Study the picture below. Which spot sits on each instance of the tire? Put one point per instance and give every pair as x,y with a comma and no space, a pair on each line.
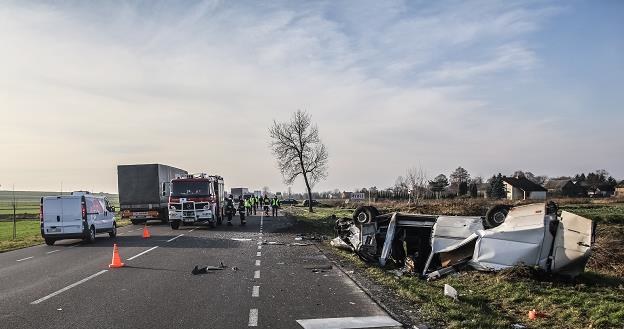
49,241
496,215
90,238
175,224
365,214
113,232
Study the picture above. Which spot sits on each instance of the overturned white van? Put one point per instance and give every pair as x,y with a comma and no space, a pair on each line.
76,216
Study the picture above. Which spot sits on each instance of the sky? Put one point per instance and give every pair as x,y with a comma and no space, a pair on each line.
492,86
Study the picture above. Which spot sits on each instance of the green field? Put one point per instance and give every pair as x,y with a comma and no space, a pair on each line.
28,234
499,300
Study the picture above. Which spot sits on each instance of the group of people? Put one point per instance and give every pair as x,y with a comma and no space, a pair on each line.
250,206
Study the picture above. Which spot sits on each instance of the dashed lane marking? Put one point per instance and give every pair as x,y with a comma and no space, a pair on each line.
257,262
253,317
68,287
257,274
19,260
259,247
175,237
258,254
256,291
142,253
53,251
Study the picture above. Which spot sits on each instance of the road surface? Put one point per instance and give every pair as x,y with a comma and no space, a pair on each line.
263,284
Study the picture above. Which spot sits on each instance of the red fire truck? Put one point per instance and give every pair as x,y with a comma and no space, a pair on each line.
196,199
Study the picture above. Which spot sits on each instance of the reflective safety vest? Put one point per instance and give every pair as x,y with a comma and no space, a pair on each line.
275,202
252,200
247,203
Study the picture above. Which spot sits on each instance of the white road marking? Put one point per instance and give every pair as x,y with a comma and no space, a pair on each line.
68,287
253,317
257,274
241,239
257,262
349,322
19,260
192,230
51,252
144,252
259,247
175,238
256,291
258,254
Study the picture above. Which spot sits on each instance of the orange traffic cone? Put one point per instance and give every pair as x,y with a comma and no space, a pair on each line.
116,262
146,233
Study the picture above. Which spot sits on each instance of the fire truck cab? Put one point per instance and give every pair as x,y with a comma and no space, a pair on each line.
196,199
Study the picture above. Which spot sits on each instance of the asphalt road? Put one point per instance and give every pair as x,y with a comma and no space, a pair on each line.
263,284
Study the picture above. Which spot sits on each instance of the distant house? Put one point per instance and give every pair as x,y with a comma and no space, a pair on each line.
346,195
565,187
604,190
521,188
619,190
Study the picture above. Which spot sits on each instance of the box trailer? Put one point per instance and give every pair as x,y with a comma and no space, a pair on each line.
141,195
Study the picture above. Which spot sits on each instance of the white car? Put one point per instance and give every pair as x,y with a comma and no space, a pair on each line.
76,216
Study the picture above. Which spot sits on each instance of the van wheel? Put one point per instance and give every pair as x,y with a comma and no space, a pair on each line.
175,224
113,232
496,215
49,242
91,235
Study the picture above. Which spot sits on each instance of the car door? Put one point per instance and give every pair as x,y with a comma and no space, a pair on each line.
572,245
93,213
107,216
72,215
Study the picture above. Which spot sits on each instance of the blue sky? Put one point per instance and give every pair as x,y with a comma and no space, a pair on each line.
491,86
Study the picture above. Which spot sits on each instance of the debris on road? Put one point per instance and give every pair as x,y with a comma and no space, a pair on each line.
449,291
318,268
434,245
204,269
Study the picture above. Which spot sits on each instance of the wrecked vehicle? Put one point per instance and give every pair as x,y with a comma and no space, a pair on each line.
433,246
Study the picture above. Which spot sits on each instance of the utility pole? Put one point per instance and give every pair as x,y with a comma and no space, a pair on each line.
14,217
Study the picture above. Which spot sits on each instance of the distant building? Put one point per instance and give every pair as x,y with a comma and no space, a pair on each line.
619,190
521,188
565,187
346,195
604,190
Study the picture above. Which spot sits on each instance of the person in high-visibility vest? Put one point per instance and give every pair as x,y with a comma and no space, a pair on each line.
275,203
252,199
248,206
257,202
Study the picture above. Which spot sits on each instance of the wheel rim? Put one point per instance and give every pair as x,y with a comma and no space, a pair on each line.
499,217
362,217
92,233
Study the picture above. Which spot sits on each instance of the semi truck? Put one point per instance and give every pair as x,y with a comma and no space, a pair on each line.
196,199
141,194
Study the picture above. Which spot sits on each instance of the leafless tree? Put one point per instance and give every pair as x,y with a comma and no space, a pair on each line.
265,190
416,179
299,151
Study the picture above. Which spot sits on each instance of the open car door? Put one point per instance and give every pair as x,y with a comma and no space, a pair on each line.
572,246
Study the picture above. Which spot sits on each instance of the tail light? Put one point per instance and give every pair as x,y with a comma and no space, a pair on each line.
84,211
41,213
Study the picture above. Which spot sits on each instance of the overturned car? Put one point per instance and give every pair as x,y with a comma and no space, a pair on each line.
432,245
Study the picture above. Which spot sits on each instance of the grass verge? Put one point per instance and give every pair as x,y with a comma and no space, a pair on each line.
492,300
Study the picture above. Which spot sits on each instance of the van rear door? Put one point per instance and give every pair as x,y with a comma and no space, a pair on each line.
572,245
52,215
72,214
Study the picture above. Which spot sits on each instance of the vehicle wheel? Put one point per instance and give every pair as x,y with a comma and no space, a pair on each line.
49,241
364,214
113,232
496,215
91,235
175,224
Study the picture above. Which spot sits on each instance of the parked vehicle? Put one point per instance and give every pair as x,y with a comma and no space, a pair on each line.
197,199
76,216
291,202
140,191
306,202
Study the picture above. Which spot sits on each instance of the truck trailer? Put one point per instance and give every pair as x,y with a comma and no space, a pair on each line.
141,194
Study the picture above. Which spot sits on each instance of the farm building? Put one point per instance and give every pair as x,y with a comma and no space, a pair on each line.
565,187
521,188
619,190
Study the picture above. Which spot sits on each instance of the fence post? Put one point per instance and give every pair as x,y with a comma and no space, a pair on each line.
14,221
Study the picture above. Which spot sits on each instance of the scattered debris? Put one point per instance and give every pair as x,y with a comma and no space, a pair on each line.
397,273
338,243
318,267
450,292
234,268
298,238
204,269
274,243
533,314
518,326
59,309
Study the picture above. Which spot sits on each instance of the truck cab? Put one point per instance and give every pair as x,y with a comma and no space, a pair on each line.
196,199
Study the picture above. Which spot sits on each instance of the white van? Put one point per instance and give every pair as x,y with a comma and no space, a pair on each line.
76,216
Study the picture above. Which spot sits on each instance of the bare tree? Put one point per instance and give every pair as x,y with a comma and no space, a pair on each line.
299,151
265,190
416,179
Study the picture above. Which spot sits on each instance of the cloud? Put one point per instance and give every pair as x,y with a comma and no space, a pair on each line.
196,85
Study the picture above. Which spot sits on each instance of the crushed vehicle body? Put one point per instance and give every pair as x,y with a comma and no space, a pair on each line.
433,246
